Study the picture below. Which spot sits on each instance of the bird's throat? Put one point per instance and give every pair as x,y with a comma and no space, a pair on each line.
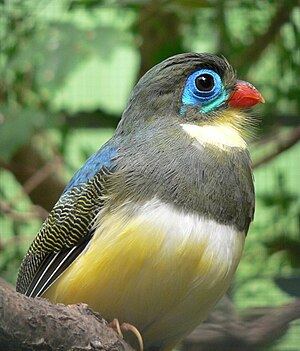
221,136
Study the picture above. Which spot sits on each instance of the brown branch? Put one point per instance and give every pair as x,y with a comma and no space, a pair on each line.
15,241
37,324
41,175
90,119
252,52
25,163
281,146
224,45
234,334
25,217
159,30
28,324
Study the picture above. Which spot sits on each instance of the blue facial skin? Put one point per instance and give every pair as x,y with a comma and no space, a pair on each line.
206,100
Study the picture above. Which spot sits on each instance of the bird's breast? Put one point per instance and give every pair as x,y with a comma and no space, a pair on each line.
153,266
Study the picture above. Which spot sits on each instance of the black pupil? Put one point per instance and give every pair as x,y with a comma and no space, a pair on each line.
205,82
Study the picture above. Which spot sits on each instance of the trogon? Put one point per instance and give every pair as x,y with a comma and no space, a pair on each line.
151,229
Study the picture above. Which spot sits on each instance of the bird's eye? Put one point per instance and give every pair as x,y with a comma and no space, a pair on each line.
205,82
204,88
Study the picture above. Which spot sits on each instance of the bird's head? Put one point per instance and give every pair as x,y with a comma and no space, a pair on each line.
194,90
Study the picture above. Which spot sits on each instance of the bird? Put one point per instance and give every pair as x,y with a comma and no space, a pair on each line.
152,227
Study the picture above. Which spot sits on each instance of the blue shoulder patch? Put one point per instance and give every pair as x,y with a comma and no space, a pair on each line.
101,158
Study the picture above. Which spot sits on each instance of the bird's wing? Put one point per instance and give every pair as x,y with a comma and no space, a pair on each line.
69,226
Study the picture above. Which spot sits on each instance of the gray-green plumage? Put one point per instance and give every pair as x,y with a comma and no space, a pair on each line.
159,158
167,164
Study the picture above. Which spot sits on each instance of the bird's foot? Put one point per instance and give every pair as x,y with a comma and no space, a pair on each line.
125,327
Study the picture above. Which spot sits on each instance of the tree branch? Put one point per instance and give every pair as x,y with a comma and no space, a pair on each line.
252,52
159,29
235,334
24,217
281,146
91,119
28,165
36,324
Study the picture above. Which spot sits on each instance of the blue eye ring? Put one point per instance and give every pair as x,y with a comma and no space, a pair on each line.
192,95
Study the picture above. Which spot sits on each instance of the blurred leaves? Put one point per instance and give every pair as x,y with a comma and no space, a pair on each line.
38,55
281,198
288,245
70,64
285,223
20,124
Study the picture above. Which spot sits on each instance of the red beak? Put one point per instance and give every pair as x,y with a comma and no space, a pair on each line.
245,95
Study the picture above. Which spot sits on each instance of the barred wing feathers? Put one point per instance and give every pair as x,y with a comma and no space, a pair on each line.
68,228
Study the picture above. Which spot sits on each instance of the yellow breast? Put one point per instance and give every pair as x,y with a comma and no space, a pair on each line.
160,269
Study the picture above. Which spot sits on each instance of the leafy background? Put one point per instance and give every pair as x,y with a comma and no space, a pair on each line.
67,68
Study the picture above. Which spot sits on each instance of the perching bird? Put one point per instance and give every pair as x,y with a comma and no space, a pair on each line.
151,229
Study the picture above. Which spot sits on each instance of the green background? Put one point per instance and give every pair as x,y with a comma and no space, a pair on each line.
67,68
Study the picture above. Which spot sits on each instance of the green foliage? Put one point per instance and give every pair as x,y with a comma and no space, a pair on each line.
286,207
269,262
18,223
68,66
42,50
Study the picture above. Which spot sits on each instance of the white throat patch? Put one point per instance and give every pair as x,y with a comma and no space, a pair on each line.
221,136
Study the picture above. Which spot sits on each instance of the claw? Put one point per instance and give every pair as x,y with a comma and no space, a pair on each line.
135,331
125,327
115,324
